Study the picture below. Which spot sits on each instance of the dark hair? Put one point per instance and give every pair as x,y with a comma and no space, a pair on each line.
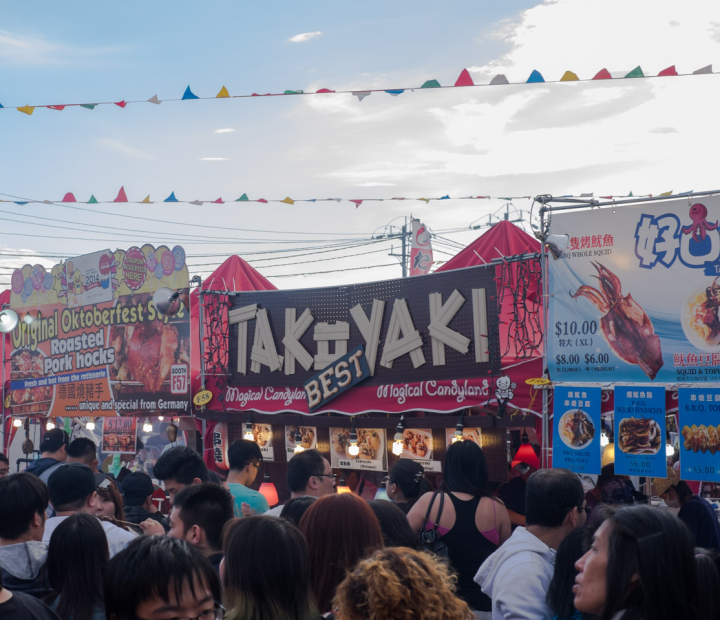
396,530
683,491
598,515
549,496
76,563
73,506
296,507
560,597
275,585
112,493
409,476
243,452
207,505
181,464
301,468
651,569
708,568
152,566
4,459
466,469
22,496
340,530
82,448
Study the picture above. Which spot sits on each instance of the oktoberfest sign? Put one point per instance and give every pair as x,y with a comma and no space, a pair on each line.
442,326
635,296
90,341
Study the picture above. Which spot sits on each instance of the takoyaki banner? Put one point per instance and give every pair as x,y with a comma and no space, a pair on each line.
90,341
635,295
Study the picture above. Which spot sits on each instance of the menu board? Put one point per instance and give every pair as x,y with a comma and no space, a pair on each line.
577,425
469,434
418,446
119,435
640,431
262,436
372,444
699,437
309,439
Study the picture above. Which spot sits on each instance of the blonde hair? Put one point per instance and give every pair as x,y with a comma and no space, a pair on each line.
400,584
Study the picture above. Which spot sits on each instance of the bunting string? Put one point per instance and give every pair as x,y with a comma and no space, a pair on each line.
464,80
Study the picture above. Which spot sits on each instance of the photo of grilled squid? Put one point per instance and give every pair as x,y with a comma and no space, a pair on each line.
639,436
701,438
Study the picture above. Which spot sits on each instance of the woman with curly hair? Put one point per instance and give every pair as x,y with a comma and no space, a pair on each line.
400,584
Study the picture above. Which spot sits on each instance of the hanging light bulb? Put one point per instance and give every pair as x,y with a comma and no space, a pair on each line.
248,434
17,422
459,428
298,442
670,449
604,441
398,443
353,449
268,490
147,426
90,424
342,486
50,425
161,418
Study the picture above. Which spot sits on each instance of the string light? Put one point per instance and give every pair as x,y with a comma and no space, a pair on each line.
50,425
147,426
298,442
249,435
670,450
90,424
17,422
398,444
459,428
161,418
342,486
353,449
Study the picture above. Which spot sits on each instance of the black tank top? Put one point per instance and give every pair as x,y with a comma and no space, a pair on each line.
468,549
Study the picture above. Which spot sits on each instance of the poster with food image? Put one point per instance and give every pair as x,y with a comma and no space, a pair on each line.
577,425
119,435
308,439
640,437
469,434
635,294
698,413
91,342
262,436
372,445
417,443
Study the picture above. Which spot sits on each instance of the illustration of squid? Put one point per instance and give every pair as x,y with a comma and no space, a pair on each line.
625,326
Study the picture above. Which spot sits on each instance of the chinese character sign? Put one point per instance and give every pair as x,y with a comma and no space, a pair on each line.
634,297
576,429
699,410
640,431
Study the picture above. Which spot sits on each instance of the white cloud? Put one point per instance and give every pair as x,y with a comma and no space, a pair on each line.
305,36
18,49
375,184
124,148
227,130
213,159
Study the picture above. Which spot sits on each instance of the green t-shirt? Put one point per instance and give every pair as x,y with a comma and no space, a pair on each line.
242,495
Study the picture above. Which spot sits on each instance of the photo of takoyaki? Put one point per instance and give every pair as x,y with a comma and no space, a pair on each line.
307,434
417,443
262,434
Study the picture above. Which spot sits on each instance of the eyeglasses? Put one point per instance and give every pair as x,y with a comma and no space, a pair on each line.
216,613
585,509
333,476
258,465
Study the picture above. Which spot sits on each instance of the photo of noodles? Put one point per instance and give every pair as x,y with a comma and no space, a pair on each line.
576,429
639,436
701,438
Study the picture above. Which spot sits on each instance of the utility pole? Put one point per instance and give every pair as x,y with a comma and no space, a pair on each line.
403,233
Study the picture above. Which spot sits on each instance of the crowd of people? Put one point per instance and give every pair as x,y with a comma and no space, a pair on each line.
77,544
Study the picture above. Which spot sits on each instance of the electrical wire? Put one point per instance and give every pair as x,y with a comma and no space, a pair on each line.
313,273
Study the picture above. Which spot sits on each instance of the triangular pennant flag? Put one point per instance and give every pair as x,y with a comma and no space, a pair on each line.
27,109
603,74
89,106
337,199
394,93
586,195
188,94
535,77
196,202
569,76
668,71
293,92
288,201
223,93
464,79
219,201
256,95
361,94
56,107
431,84
68,198
121,197
325,90
120,104
630,195
171,198
703,71
20,203
242,198
637,72
666,193
447,197
499,79
154,99
427,200
357,203
146,200
47,202
685,193
93,200
1,105
261,200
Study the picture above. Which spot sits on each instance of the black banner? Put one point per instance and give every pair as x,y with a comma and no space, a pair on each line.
433,327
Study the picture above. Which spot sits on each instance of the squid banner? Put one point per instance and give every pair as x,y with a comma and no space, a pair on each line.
90,341
635,294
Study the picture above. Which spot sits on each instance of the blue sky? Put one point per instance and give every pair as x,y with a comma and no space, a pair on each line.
649,136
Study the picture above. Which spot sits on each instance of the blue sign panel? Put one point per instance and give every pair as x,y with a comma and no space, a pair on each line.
341,375
699,410
640,444
576,429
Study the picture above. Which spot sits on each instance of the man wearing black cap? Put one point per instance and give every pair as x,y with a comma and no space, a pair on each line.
137,498
53,453
72,489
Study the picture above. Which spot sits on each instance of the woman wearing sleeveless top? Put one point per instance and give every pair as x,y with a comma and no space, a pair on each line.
473,523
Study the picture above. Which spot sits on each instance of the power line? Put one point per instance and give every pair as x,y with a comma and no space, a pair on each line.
312,273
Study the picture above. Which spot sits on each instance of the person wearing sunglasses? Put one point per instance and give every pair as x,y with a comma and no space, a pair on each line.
162,578
308,474
245,460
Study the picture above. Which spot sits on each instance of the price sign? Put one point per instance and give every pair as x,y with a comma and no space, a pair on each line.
699,413
576,429
640,435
